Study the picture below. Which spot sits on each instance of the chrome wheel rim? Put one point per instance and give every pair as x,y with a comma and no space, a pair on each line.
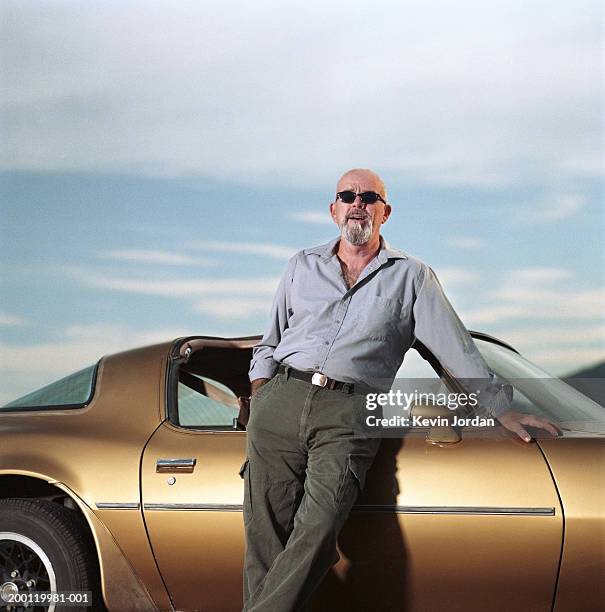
25,561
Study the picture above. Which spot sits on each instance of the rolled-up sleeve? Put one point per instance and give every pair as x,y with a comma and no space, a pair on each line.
262,364
439,328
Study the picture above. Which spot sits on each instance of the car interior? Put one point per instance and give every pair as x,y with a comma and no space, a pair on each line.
209,383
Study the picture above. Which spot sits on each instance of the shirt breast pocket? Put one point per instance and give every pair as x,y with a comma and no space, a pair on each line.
379,318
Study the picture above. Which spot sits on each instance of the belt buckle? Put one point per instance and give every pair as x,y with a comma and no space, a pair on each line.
319,379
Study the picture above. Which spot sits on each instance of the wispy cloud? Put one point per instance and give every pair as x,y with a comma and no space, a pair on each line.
557,336
545,305
567,359
533,276
80,345
519,109
221,298
275,251
144,256
450,277
564,206
538,293
7,320
559,349
470,243
229,308
185,288
556,208
312,216
485,315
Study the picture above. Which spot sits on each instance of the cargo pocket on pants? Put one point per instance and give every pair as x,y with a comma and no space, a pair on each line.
244,473
353,480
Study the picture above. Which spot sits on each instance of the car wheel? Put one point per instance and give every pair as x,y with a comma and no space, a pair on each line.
45,547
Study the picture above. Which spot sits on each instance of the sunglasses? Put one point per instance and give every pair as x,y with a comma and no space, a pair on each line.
367,197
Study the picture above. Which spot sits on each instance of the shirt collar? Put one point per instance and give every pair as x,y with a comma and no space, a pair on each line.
326,251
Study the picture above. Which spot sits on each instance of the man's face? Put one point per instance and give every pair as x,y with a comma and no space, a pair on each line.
359,223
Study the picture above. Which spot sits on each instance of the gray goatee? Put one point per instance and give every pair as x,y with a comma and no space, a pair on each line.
356,232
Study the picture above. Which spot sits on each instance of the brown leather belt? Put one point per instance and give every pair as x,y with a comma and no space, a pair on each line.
316,378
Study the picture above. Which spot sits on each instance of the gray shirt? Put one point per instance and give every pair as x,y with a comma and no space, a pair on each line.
361,334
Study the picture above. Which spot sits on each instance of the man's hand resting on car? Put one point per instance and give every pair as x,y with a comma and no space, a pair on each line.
514,421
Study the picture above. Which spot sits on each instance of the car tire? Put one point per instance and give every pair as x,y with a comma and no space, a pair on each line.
51,545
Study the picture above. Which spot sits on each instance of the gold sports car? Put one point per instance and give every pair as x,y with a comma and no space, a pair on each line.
123,479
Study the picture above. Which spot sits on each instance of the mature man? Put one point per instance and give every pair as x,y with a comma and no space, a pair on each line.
342,319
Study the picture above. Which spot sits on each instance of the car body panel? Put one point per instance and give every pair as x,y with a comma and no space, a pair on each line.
122,588
443,560
199,547
199,550
95,452
581,585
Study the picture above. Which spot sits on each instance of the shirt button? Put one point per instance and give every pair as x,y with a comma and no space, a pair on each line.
337,321
326,343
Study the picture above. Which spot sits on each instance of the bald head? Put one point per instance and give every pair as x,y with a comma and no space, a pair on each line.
361,179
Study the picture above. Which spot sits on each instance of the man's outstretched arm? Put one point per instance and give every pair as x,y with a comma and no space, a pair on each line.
439,328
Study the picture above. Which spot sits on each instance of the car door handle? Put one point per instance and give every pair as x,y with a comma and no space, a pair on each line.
180,466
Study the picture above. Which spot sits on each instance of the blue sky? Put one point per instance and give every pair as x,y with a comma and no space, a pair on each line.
162,162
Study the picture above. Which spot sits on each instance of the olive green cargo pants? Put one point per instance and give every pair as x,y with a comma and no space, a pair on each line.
307,458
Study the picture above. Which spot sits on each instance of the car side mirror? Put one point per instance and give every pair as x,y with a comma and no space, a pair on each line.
439,421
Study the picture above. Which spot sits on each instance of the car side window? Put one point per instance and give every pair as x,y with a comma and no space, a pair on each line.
414,366
73,391
417,375
204,402
415,378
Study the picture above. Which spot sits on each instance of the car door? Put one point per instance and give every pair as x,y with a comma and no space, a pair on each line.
192,498
472,525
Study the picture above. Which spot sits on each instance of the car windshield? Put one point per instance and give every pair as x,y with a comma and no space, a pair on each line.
537,392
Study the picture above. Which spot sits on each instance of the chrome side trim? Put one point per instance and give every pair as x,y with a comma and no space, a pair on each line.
391,508
480,510
202,507
116,506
